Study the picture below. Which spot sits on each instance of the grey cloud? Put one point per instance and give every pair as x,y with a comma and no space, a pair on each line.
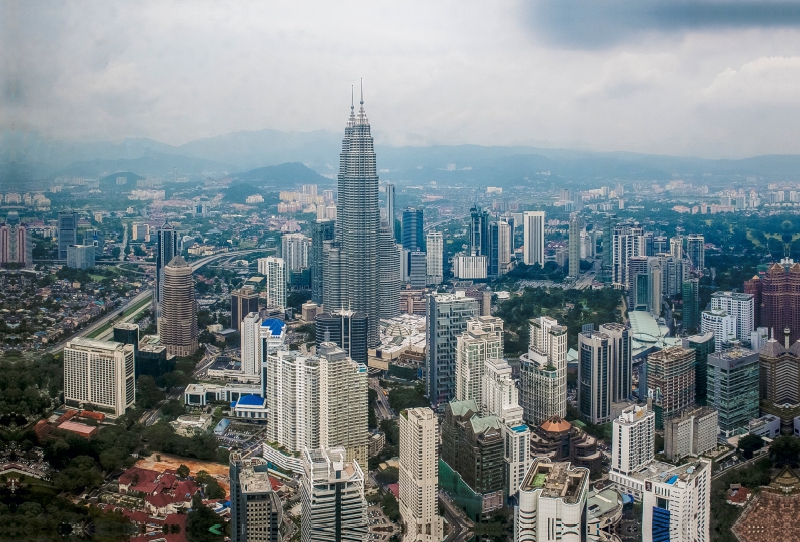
599,24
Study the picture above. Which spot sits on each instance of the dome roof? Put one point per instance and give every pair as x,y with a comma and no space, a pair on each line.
556,424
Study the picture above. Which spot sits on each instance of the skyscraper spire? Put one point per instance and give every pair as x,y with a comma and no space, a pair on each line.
362,92
352,98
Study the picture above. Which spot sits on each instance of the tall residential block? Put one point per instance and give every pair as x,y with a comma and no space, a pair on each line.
178,325
80,256
733,387
317,401
670,381
435,258
627,242
67,232
251,344
99,374
321,231
353,271
419,475
274,269
741,307
243,302
533,228
543,372
333,507
295,248
692,433
447,316
634,440
256,509
721,324
482,340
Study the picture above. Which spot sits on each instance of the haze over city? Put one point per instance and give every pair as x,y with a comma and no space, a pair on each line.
711,79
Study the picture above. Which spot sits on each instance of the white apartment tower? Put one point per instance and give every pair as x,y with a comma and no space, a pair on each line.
294,251
533,230
274,269
741,306
634,442
543,372
677,504
435,257
251,344
100,374
552,503
419,475
317,401
482,340
501,399
722,324
332,497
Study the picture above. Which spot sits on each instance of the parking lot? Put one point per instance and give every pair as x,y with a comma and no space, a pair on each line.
380,528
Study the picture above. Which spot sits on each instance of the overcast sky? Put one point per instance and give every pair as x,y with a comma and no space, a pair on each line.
713,79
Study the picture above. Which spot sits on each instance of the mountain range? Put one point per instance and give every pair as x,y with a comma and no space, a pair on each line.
245,155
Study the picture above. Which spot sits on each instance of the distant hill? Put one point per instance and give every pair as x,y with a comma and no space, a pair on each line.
291,173
151,163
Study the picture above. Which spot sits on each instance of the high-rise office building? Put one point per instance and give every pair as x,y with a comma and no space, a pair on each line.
390,267
178,325
691,305
696,252
733,387
447,316
574,245
780,379
332,497
533,226
740,306
346,329
594,377
638,283
317,401
676,247
413,236
294,251
670,381
388,189
703,345
418,483
166,250
80,256
435,258
500,243
243,302
67,232
609,223
552,503
777,299
99,374
274,269
417,269
479,232
353,271
256,509
677,504
543,372
482,340
721,324
321,231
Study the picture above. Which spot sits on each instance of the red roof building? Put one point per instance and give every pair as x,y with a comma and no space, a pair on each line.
86,431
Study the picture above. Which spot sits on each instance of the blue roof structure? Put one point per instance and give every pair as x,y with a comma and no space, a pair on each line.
275,326
250,400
